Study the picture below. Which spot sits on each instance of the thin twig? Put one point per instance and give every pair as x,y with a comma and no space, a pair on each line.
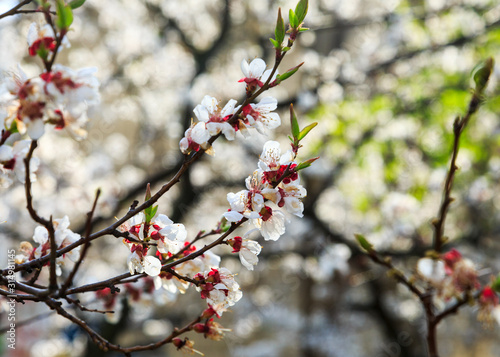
90,214
14,10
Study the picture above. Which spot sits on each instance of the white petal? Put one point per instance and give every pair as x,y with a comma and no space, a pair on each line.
201,113
163,220
233,216
174,232
199,134
271,120
244,68
36,129
256,68
152,265
6,153
267,104
41,235
431,269
228,108
274,227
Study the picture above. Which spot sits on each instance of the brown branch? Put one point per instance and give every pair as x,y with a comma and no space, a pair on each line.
396,273
27,186
53,256
458,128
15,9
77,303
86,245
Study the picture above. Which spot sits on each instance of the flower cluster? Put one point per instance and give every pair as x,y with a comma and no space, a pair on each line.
248,251
213,120
273,184
11,163
167,236
60,98
190,268
63,237
218,287
452,276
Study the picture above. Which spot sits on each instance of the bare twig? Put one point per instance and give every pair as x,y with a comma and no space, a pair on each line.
90,214
15,10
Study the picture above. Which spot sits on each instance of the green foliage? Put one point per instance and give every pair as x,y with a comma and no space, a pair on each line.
363,242
64,15
76,3
301,10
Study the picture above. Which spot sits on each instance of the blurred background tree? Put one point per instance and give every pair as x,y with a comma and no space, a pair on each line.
384,79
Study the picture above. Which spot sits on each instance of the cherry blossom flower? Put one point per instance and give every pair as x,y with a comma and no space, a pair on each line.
215,117
272,160
169,238
218,286
200,264
185,345
195,137
211,329
22,104
272,224
291,197
62,97
63,237
40,38
488,305
255,73
249,203
139,262
12,160
431,270
260,116
248,251
170,283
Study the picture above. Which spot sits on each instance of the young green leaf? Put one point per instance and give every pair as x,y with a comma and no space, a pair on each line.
482,73
13,128
64,15
364,243
306,131
294,22
496,284
75,4
305,164
301,10
294,122
275,43
279,32
289,73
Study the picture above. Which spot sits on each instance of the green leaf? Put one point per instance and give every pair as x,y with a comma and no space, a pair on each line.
13,128
289,73
285,49
275,43
294,22
305,164
496,284
279,32
363,242
75,4
482,73
306,131
294,123
301,10
150,213
64,15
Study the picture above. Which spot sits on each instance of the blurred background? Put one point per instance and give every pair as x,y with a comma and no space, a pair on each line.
384,79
